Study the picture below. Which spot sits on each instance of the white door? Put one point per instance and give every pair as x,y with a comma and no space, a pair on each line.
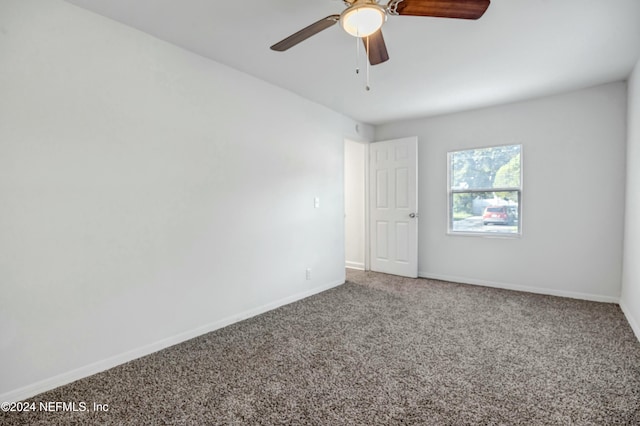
393,168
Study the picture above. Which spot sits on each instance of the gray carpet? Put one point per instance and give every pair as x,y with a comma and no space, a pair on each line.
383,350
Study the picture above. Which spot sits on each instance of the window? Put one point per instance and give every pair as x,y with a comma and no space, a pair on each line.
485,190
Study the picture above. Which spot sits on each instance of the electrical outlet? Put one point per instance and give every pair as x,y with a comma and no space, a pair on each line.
308,273
316,202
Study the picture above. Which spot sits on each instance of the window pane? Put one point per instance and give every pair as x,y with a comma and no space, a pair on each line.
485,168
486,212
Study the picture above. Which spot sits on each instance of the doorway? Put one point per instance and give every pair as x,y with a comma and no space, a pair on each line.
355,204
381,206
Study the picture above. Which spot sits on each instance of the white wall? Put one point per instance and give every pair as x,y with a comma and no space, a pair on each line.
148,195
630,299
573,199
354,183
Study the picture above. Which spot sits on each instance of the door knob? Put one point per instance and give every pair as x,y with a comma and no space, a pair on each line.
413,215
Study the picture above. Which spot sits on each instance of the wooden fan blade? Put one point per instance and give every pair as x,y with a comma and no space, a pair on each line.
377,48
305,33
461,9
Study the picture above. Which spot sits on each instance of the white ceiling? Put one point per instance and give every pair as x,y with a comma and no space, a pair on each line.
518,50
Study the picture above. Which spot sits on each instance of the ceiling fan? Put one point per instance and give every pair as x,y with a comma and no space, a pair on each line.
364,19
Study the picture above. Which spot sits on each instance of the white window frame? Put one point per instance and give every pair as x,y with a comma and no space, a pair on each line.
451,192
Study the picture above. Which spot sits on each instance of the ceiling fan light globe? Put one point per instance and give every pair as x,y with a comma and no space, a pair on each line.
363,20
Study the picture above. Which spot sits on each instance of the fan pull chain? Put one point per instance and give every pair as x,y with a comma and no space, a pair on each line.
368,62
357,55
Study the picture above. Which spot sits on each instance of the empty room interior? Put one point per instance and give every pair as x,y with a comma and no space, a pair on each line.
265,212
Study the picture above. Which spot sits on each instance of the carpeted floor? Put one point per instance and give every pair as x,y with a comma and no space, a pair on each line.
382,350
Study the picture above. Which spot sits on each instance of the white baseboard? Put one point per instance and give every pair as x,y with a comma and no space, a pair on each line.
635,326
99,366
528,289
354,265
